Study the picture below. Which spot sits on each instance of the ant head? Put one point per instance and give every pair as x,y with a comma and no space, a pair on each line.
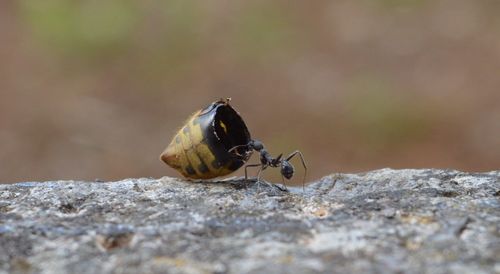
256,145
287,169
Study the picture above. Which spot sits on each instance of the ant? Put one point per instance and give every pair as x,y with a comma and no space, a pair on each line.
266,160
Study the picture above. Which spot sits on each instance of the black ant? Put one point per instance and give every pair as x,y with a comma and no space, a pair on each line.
266,160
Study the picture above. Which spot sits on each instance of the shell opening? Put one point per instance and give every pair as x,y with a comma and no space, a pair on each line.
231,129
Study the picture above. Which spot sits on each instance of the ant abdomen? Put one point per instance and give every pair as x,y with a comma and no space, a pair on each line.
287,169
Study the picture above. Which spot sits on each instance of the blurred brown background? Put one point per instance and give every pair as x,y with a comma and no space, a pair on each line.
96,89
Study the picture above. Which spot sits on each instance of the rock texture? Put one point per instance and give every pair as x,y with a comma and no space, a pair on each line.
384,221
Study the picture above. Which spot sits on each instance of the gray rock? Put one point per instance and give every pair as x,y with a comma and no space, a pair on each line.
384,221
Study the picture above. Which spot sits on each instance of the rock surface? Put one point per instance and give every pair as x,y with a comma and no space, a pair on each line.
384,221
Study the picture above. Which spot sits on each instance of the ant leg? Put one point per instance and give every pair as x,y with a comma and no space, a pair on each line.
283,182
258,178
262,167
303,163
252,165
258,174
271,185
259,181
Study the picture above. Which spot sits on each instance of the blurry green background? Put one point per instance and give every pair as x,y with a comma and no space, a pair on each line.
96,89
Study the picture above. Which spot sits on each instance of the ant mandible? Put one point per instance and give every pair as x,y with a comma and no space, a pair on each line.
266,160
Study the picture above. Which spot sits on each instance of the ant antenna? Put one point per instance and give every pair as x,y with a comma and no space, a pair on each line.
235,149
